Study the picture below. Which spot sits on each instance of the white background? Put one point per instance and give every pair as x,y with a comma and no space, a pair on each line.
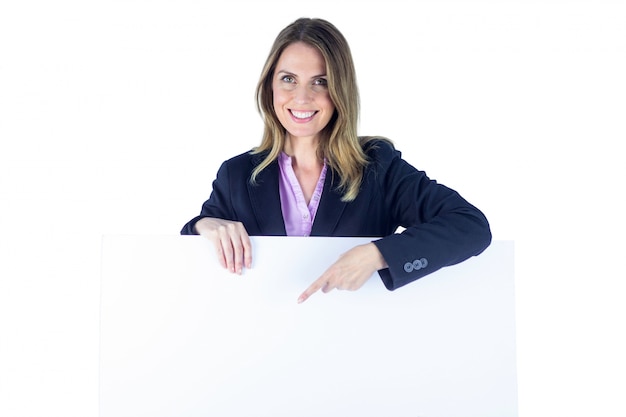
114,116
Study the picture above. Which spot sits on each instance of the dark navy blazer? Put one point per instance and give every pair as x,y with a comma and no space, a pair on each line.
440,227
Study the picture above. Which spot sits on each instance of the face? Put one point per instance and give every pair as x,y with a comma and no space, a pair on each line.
300,90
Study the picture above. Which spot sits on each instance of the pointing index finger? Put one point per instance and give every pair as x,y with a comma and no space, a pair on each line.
313,288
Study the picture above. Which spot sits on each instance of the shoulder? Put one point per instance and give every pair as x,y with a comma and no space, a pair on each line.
245,161
237,168
244,157
386,164
380,151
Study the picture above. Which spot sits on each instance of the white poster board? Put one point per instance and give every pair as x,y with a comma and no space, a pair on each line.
180,336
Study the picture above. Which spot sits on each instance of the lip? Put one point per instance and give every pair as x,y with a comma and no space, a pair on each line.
302,116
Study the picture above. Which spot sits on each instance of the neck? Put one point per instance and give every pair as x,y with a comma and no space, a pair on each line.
303,149
303,153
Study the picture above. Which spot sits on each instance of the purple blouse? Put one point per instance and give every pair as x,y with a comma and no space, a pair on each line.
297,215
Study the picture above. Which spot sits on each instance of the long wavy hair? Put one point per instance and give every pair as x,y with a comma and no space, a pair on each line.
339,143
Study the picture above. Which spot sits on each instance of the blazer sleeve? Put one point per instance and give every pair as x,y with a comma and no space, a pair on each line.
219,203
441,227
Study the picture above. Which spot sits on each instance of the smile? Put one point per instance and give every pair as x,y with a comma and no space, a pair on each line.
302,115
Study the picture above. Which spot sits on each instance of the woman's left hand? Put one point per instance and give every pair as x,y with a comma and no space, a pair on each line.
349,272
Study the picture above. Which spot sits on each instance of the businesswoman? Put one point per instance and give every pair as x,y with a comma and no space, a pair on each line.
312,175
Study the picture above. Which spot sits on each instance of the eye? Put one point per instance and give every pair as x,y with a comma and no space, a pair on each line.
288,79
321,81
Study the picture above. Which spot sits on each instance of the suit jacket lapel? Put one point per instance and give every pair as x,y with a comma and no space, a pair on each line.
265,199
330,209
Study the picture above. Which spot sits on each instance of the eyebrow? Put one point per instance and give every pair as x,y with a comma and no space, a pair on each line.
294,74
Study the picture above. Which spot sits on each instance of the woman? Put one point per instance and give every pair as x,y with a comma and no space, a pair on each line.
313,176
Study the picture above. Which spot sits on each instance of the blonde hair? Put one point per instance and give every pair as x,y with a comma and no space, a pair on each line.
339,143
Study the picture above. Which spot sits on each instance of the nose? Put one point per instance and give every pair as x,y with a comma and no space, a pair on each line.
302,94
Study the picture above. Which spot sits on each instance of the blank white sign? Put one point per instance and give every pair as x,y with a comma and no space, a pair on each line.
180,336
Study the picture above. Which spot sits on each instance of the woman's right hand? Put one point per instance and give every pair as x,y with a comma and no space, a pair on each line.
231,241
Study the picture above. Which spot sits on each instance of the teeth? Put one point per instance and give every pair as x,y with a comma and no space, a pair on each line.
302,114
